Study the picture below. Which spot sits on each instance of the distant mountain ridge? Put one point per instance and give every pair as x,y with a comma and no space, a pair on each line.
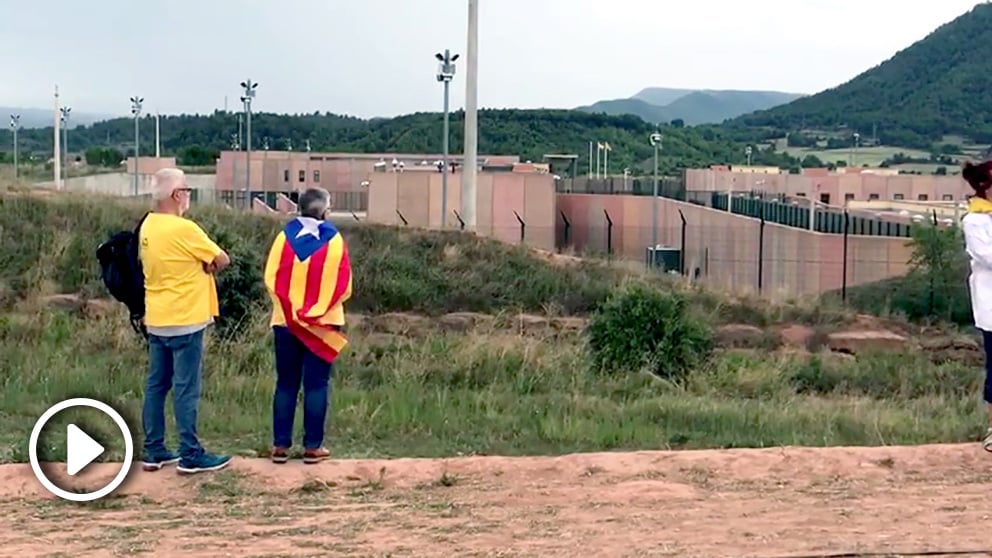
41,118
660,105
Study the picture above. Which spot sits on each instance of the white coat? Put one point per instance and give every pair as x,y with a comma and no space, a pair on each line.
977,229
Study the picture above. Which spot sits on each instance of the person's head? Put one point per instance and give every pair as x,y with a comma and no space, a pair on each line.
979,177
170,191
315,203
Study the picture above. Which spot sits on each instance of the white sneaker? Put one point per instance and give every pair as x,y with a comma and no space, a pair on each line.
987,443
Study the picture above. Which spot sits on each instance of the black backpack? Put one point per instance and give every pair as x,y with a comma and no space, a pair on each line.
122,274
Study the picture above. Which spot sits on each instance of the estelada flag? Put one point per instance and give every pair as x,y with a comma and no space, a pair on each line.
308,275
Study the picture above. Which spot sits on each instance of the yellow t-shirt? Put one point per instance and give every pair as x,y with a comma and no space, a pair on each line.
178,291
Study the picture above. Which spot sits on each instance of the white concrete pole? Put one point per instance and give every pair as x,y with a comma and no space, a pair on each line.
471,118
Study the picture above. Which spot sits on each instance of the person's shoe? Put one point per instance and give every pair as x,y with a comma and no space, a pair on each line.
987,443
157,461
312,456
204,462
279,455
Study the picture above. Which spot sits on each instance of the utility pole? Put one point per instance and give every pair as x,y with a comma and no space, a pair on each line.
158,145
57,153
590,160
65,141
656,143
15,125
445,73
136,111
471,164
854,153
249,88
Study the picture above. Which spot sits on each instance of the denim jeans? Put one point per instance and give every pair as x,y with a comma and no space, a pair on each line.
175,362
987,342
296,365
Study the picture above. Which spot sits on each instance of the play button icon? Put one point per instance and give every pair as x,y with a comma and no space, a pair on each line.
80,449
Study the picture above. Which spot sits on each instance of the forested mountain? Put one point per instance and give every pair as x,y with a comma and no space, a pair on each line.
531,134
940,85
692,107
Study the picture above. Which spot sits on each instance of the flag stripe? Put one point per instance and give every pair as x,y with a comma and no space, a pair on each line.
315,274
343,285
298,278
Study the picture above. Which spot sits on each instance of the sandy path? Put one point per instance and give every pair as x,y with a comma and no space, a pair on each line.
761,503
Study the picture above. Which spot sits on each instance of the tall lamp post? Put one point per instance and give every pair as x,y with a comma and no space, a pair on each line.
249,88
656,143
854,153
471,163
136,111
15,125
65,141
445,73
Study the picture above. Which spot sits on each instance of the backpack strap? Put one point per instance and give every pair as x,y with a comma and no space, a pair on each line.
141,221
136,322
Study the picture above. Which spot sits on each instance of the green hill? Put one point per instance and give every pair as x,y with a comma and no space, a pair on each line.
196,139
938,86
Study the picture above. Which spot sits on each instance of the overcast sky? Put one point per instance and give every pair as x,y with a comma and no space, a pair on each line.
375,57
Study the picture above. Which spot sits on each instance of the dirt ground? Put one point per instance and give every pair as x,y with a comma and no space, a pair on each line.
782,502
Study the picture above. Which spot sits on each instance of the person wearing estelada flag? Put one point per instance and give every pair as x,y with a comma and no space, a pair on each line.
308,276
977,228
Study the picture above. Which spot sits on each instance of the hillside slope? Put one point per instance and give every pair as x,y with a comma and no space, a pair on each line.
940,85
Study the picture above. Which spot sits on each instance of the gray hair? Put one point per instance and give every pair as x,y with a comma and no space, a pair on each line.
165,181
314,202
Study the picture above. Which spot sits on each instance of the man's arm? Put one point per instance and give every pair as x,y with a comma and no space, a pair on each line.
201,247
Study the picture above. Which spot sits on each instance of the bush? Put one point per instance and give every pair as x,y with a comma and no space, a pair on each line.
643,328
936,286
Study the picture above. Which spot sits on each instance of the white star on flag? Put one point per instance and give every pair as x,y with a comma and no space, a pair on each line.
310,226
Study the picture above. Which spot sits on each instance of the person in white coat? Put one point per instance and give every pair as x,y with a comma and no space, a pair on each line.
977,227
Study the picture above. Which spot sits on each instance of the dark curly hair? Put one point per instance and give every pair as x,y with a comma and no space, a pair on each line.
979,176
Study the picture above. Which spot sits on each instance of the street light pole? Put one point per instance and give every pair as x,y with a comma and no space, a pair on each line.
857,141
56,152
136,111
15,124
656,143
158,142
471,162
445,73
65,141
249,88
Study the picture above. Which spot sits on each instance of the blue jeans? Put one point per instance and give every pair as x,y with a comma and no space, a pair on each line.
296,365
174,362
987,342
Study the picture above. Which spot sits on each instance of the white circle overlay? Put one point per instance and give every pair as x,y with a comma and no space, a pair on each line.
68,404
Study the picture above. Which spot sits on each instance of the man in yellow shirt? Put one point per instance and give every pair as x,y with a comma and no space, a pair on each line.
178,260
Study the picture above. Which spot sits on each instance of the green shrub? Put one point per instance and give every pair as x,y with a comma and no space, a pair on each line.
639,327
936,286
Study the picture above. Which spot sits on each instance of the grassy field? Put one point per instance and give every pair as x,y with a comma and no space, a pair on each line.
429,393
871,156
